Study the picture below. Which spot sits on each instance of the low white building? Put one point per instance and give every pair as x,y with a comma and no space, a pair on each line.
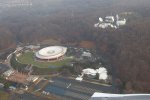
18,54
121,22
79,78
19,48
102,73
8,73
89,71
109,19
32,47
12,88
1,85
32,78
100,19
106,25
86,54
96,25
93,73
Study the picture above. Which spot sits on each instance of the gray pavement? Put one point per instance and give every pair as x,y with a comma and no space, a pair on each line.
75,90
25,96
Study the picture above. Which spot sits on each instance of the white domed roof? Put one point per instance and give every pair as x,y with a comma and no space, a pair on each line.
51,52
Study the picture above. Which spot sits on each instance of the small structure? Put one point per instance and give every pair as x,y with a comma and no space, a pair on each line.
106,25
45,93
109,19
18,54
79,78
100,19
96,25
19,48
12,88
32,47
1,85
8,73
15,76
86,54
121,22
32,78
89,72
24,87
102,73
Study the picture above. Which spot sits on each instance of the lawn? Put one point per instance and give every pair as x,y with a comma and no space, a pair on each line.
28,58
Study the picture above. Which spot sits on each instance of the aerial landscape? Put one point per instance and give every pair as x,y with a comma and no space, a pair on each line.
74,49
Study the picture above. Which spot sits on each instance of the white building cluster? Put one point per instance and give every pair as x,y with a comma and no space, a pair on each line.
15,3
102,73
8,72
86,54
13,75
110,21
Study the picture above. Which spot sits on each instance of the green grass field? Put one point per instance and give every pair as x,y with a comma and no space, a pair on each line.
28,58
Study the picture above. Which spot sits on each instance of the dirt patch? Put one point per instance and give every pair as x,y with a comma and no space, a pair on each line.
87,44
52,41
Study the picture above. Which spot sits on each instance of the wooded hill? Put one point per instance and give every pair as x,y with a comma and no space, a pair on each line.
71,21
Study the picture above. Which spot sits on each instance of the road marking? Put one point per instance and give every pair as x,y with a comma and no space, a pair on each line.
69,85
51,81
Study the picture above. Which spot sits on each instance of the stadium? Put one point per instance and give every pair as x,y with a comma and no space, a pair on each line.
51,53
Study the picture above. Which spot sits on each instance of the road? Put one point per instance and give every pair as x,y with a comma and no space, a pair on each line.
7,61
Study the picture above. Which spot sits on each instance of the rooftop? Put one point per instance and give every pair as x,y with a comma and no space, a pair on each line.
106,96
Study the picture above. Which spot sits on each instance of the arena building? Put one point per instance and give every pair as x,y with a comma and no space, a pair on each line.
51,53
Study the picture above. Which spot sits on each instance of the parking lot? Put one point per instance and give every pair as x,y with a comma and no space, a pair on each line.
3,68
74,90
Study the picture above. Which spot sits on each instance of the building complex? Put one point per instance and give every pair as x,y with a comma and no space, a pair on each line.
110,21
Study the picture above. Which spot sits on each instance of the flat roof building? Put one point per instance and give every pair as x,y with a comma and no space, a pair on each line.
109,19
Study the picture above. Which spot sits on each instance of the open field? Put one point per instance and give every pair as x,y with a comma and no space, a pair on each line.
87,44
28,58
51,41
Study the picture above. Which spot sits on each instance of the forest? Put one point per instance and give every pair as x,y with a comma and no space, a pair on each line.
71,21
